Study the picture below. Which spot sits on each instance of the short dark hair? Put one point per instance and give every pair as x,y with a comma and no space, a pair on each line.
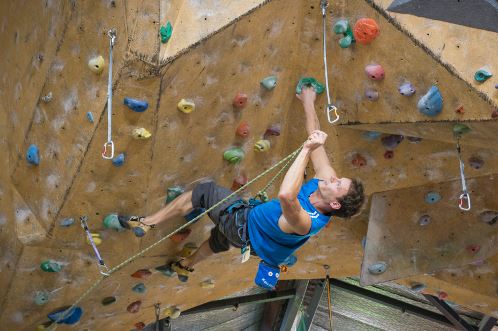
351,203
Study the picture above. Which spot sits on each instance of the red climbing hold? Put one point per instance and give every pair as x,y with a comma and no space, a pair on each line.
460,110
442,295
474,249
494,114
139,325
142,273
375,71
238,182
180,235
389,155
134,307
366,30
273,130
240,100
359,161
243,130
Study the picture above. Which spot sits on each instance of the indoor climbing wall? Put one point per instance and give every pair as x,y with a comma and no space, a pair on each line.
206,89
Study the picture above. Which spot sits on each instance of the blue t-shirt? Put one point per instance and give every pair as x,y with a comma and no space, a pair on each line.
268,240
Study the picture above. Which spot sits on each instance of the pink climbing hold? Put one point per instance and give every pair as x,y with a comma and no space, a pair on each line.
359,161
243,130
240,100
238,182
134,307
442,295
389,155
474,249
375,71
142,273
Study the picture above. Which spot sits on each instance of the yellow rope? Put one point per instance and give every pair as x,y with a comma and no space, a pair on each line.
287,159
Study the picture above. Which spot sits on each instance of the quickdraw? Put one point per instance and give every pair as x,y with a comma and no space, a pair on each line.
103,268
109,142
464,200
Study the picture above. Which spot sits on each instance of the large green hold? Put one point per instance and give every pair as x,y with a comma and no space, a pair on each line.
309,81
166,31
111,221
234,155
460,129
51,266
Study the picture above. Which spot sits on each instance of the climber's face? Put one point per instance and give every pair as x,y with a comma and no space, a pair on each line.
333,188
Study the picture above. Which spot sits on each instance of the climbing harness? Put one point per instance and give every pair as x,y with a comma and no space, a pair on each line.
464,203
103,268
285,160
330,107
327,279
109,143
157,311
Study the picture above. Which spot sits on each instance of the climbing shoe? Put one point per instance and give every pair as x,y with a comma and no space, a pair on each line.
136,224
182,271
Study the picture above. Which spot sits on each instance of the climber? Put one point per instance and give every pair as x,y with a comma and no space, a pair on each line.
275,229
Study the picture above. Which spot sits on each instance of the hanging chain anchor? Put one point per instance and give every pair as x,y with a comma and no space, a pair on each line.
109,142
103,268
464,203
330,107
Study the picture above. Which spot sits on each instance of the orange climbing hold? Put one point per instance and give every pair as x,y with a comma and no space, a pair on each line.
238,182
442,295
366,30
240,100
180,235
142,273
459,110
140,325
243,130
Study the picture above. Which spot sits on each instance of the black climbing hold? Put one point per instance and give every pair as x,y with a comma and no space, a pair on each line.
108,300
489,216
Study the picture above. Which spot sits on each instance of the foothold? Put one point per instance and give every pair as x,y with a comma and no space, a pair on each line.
173,192
431,103
460,129
166,270
391,141
494,114
243,130
388,155
273,130
41,297
489,216
309,81
33,155
418,287
136,105
111,221
371,135
377,268
134,307
442,295
238,182
482,75
186,106
474,249
180,235
51,266
424,220
188,249
139,325
432,197
366,30
207,284
172,312
141,273
97,239
240,100
343,27
372,94
166,31
359,161
141,133
66,222
234,155
193,214
96,64
414,140
460,110
406,89
118,161
89,116
47,98
375,71
108,301
476,162
262,145
269,82
71,317
139,288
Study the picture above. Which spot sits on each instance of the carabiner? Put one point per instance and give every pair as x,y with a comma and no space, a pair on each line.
464,201
332,108
104,269
104,152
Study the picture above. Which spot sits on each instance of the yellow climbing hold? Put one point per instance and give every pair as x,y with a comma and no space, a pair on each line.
262,145
97,239
207,284
172,312
141,133
96,64
188,249
186,106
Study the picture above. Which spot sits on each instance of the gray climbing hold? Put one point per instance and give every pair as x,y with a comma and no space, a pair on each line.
67,222
372,94
489,216
41,297
391,141
377,268
269,82
424,220
139,288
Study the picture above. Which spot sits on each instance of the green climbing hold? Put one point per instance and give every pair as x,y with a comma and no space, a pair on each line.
343,27
173,193
309,81
460,129
166,31
108,300
482,75
51,266
234,155
111,221
269,82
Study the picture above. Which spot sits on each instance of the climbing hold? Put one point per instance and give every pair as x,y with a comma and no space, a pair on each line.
66,222
424,220
139,288
186,106
139,325
173,192
97,239
238,182
432,197
141,133
343,27
134,307
166,270
234,155
366,30
377,268
262,145
141,273
33,155
96,64
138,106
71,317
406,89
207,284
372,94
459,110
89,116
243,130
108,300
240,100
193,214
388,155
273,130
418,287
482,75
442,295
269,82
47,98
375,71
51,266
166,31
290,261
391,141
180,235
41,297
359,161
431,103
309,81
489,216
172,312
474,249
414,140
371,135
476,162
111,221
119,160
188,249
494,113
460,129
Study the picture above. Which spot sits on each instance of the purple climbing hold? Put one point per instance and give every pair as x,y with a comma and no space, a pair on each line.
476,162
406,89
375,71
424,220
372,94
390,142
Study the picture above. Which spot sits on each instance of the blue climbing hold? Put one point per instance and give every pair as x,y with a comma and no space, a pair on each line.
119,160
33,155
139,288
431,103
71,317
371,135
67,222
377,268
193,214
136,105
418,287
432,197
89,115
290,261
